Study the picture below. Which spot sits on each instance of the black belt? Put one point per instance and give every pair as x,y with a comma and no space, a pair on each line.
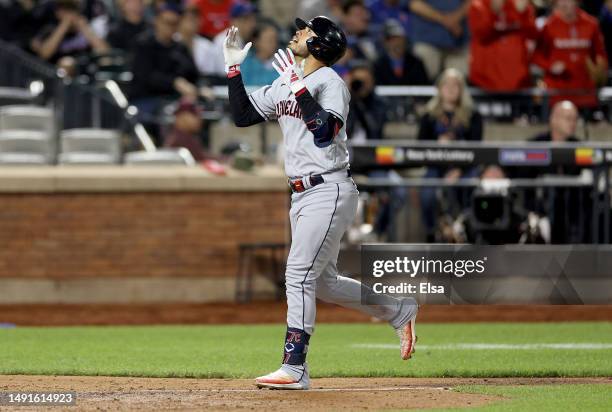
297,185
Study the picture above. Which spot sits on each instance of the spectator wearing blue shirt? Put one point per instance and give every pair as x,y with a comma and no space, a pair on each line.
605,25
356,25
440,34
385,10
398,66
257,68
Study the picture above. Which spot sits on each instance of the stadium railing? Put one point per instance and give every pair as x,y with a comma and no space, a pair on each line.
77,103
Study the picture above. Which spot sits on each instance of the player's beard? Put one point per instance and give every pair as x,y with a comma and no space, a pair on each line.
299,50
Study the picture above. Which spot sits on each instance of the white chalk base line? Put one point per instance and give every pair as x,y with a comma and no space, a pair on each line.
193,392
490,346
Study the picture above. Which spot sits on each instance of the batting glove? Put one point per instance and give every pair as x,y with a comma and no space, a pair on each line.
233,53
289,71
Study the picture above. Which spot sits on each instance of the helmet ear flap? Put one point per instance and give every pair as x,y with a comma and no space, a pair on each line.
313,44
317,48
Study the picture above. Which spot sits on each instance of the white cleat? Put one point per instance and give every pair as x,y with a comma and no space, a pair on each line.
408,338
281,379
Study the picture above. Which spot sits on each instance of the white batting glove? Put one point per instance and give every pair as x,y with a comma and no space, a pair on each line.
289,71
233,54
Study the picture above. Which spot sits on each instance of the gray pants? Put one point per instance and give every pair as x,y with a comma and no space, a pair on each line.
319,218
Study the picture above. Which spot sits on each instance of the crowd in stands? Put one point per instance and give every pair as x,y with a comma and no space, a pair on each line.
172,45
173,48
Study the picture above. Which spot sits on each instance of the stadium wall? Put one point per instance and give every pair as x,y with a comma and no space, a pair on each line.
130,235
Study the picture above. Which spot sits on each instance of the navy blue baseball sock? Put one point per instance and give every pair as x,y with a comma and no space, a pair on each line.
296,347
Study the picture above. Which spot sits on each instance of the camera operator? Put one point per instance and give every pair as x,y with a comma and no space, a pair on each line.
367,111
366,120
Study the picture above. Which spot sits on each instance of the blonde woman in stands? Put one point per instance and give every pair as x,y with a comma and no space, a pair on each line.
449,116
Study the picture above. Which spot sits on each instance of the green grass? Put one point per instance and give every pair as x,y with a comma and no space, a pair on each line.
542,398
246,351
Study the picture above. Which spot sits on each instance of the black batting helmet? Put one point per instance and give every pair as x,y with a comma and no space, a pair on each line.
329,44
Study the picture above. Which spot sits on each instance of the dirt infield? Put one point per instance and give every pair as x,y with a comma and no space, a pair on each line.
112,393
275,312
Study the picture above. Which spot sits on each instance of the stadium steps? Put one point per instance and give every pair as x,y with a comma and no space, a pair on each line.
89,146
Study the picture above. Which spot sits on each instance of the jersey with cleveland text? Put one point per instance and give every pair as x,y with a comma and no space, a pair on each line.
302,156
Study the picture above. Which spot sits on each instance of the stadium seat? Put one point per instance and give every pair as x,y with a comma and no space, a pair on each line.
180,156
20,117
89,146
16,95
25,147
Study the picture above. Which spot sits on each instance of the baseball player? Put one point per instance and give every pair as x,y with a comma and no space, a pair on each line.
310,102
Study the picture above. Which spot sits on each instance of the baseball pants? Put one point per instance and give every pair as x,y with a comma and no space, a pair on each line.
319,217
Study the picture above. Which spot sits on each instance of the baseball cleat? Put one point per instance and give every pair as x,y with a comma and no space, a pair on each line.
281,379
407,336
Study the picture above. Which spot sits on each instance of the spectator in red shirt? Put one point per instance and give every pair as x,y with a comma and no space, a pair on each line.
500,29
187,129
571,51
214,16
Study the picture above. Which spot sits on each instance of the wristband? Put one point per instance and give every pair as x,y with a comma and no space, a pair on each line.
297,87
232,71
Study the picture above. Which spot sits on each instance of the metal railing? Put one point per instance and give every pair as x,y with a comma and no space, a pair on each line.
532,101
76,102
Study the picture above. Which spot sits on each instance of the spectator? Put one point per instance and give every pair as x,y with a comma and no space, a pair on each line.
200,47
449,116
68,36
383,10
398,66
283,13
18,22
605,25
94,8
500,29
439,33
214,16
571,52
308,9
98,15
566,210
244,17
563,123
257,66
355,21
131,24
367,112
187,129
366,121
343,66
162,67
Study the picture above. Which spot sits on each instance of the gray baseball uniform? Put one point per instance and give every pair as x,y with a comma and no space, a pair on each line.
320,215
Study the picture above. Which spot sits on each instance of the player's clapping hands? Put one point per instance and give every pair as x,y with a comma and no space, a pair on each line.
233,53
289,70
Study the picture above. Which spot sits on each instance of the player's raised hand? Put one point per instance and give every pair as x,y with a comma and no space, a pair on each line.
289,70
233,53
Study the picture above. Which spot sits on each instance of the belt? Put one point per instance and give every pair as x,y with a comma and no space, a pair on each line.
301,184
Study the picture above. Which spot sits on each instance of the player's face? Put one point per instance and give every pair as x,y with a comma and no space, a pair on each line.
298,43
